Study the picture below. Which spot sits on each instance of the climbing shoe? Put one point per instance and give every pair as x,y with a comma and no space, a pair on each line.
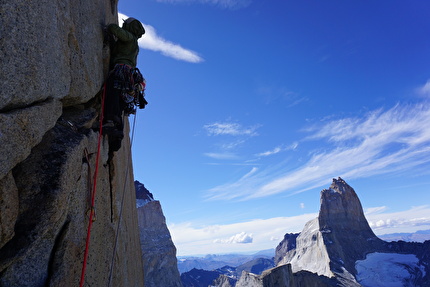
111,128
109,124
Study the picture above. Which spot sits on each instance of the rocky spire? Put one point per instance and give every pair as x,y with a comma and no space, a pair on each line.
143,196
330,244
341,210
142,192
346,232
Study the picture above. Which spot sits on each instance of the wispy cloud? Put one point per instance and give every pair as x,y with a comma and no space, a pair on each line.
281,94
151,41
424,90
229,4
271,152
375,210
229,128
278,149
232,136
221,155
236,189
381,142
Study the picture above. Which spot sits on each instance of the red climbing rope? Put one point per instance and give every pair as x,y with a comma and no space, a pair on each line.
93,197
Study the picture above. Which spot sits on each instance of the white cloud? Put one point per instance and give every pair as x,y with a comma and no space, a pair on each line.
229,128
230,4
242,237
411,220
151,41
382,142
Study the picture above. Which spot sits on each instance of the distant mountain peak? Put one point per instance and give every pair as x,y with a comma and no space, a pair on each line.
341,210
340,186
143,196
333,241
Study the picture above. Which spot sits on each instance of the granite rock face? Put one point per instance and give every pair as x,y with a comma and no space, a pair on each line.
158,251
22,129
54,61
222,281
52,49
311,253
288,243
249,280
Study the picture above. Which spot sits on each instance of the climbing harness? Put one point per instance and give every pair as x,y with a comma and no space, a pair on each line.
93,197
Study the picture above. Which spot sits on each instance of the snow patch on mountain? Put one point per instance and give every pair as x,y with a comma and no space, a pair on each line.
141,202
389,270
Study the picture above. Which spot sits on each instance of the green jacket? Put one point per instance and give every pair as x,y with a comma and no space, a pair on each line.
126,48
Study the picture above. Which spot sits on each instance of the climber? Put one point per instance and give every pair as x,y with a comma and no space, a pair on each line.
125,84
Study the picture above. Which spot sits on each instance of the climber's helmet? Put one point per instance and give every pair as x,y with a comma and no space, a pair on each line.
134,26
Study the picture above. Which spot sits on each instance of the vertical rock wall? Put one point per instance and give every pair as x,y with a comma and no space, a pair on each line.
159,253
53,63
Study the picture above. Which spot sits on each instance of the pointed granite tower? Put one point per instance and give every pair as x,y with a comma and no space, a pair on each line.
346,232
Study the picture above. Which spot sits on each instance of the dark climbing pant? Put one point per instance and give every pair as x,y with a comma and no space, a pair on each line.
114,105
113,109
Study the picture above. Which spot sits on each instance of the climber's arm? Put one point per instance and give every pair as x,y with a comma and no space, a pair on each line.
120,33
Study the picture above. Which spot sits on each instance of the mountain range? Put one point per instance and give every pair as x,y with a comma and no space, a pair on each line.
419,236
215,261
224,275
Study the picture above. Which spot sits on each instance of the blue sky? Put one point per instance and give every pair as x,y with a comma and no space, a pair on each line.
254,106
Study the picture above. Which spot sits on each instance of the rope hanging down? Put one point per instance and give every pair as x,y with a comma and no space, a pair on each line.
93,197
122,203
